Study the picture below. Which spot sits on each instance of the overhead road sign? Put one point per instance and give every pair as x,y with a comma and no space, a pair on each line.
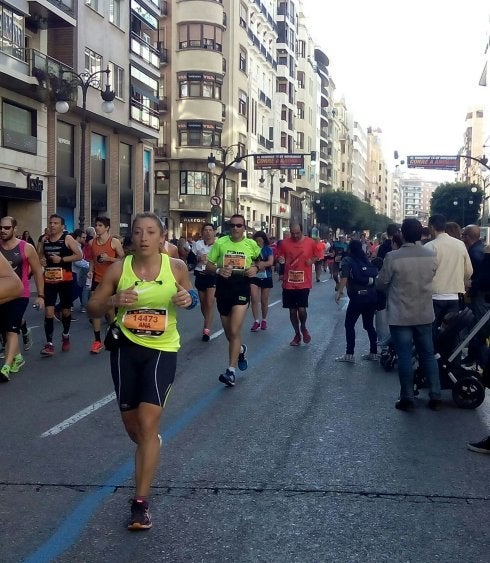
280,161
434,162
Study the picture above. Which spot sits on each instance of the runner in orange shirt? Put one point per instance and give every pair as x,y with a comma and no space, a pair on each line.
106,250
298,253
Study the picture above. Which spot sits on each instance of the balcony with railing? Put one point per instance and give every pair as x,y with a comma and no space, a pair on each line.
65,5
263,142
144,114
160,151
47,71
265,99
147,52
256,42
324,132
163,52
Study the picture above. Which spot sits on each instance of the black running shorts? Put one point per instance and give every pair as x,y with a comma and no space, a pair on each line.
141,375
62,289
11,314
295,298
264,283
204,281
231,291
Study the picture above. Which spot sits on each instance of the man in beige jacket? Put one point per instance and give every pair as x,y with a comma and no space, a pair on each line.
453,272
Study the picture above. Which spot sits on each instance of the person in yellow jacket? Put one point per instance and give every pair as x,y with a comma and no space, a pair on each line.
145,288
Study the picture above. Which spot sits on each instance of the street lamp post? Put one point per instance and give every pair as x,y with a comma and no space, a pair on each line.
62,96
464,199
282,179
233,163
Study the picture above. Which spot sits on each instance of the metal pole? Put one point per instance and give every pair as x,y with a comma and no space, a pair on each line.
223,202
270,203
83,129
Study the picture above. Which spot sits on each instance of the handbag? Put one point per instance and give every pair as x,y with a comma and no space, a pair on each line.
113,338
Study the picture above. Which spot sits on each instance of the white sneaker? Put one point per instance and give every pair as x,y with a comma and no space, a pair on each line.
347,358
371,357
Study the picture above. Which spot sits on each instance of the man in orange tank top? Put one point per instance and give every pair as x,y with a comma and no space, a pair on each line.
105,250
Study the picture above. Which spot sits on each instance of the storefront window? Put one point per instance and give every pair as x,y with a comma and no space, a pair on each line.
194,183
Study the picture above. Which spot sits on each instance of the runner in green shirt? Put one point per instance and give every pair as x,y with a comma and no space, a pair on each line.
232,260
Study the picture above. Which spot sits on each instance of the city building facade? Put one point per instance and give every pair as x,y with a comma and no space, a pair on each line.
417,194
193,100
84,162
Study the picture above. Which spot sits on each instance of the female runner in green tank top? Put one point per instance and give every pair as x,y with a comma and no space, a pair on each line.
146,288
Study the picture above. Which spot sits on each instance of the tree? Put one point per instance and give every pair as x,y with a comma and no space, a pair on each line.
458,202
340,210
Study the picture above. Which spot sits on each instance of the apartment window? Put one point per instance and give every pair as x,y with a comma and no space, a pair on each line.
144,98
19,128
194,183
243,15
117,80
284,140
300,140
242,103
301,49
243,60
93,63
12,36
200,85
301,111
199,134
282,86
201,36
301,80
115,12
94,4
98,160
126,194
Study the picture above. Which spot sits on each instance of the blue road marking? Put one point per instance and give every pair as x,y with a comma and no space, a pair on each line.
68,533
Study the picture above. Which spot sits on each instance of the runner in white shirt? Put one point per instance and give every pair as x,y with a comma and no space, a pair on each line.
205,281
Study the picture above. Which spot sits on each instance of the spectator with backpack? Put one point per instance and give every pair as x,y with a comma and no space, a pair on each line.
358,274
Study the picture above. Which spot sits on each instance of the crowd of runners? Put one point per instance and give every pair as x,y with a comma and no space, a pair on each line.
402,284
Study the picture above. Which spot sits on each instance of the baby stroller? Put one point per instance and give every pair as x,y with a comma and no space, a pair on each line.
468,389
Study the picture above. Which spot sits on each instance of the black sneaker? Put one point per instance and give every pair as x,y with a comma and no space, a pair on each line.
482,447
434,404
404,405
140,516
242,358
228,378
468,361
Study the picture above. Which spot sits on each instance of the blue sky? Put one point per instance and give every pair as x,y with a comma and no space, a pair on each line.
411,69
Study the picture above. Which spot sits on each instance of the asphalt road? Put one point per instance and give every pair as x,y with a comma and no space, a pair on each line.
305,460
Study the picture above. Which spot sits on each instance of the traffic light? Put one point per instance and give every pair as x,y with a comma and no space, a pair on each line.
313,158
263,226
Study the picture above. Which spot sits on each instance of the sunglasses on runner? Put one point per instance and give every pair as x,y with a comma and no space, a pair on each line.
236,225
5,227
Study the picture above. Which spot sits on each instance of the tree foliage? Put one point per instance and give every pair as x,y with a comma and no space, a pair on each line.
457,202
340,210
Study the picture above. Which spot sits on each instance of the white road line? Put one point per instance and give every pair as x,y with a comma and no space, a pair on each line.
98,404
216,334
78,416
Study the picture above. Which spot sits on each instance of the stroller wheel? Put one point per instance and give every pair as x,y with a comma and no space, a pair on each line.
468,393
387,361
